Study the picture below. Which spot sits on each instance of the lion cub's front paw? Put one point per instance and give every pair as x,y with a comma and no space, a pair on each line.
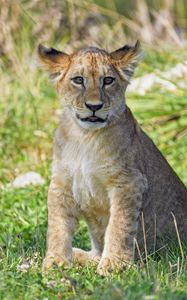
84,257
51,260
111,264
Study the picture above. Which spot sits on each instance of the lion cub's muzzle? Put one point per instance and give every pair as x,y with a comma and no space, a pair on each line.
97,115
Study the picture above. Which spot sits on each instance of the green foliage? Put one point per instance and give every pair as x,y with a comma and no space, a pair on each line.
22,242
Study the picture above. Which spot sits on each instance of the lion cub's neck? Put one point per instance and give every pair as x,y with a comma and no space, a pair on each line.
124,129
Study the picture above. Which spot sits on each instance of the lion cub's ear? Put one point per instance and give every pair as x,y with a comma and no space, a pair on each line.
126,59
53,61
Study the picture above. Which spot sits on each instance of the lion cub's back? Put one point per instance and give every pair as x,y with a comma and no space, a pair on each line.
166,194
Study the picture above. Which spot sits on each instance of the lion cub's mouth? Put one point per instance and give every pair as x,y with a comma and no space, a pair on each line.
92,119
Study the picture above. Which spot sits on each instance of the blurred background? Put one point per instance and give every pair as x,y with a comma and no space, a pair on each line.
29,109
30,112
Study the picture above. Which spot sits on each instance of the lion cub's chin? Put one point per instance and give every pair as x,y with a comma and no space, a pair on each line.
91,125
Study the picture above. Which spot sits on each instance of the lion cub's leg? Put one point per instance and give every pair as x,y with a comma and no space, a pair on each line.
62,218
122,227
97,226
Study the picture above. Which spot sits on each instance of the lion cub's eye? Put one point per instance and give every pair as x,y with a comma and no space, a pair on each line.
78,80
108,80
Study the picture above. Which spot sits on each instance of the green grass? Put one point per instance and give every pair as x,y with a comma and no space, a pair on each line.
29,114
23,227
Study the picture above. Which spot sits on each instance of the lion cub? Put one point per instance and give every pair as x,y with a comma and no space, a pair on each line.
105,168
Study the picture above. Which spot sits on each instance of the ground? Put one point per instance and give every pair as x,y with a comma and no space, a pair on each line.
30,113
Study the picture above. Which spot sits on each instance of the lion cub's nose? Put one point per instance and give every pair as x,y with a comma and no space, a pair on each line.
94,108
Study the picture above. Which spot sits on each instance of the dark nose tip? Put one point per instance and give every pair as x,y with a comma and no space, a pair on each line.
94,107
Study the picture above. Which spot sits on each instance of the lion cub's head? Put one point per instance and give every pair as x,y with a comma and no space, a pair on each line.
91,82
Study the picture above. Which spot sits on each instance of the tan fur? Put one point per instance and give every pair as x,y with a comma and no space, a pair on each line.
107,172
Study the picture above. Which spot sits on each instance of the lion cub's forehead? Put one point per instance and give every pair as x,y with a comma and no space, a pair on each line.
92,59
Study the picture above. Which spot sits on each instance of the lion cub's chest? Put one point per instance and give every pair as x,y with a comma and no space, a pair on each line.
84,170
